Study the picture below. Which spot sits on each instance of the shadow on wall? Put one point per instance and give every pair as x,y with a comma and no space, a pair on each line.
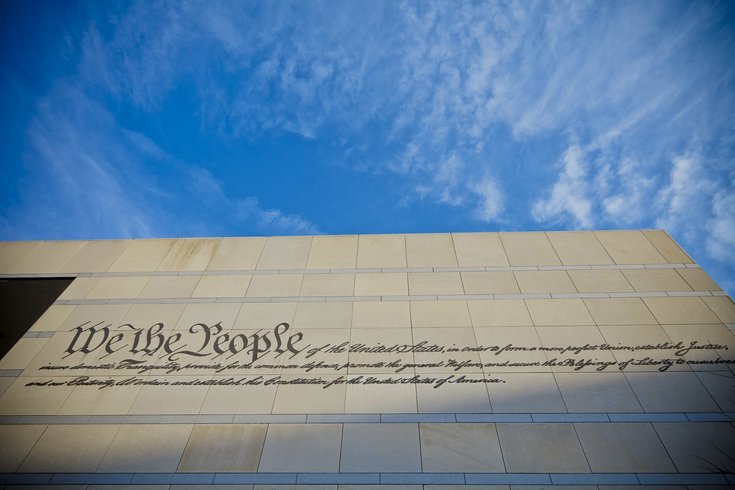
22,302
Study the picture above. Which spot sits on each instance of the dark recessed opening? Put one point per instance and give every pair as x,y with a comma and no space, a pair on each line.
22,302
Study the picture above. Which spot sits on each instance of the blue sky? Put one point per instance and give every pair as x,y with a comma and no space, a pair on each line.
257,118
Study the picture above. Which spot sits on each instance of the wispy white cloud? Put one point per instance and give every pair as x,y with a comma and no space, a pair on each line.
701,209
82,181
687,197
413,75
490,198
623,191
141,59
273,221
721,226
88,177
441,76
468,105
245,213
569,195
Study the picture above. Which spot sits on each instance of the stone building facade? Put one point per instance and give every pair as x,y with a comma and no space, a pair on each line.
599,358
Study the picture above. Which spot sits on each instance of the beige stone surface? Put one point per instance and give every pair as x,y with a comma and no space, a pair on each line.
440,314
79,288
629,247
46,257
96,256
237,254
544,282
623,448
189,254
578,248
430,250
698,280
208,313
333,252
224,286
433,283
371,337
529,248
600,281
309,398
12,252
395,487
499,313
526,393
90,400
285,253
264,315
575,336
108,314
619,311
704,447
502,337
18,440
701,335
170,287
454,340
656,280
381,448
69,449
323,315
501,282
639,335
55,349
715,333
452,323
281,487
671,392
723,307
223,448
142,256
128,487
680,310
720,386
117,287
100,357
21,354
145,315
291,448
274,285
381,314
381,251
52,318
667,247
20,399
144,448
251,399
459,448
328,285
597,392
535,448
170,399
479,249
315,346
381,284
454,397
380,397
5,383
558,312
241,363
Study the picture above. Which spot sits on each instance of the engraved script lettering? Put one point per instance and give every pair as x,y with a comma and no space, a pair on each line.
251,359
212,340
